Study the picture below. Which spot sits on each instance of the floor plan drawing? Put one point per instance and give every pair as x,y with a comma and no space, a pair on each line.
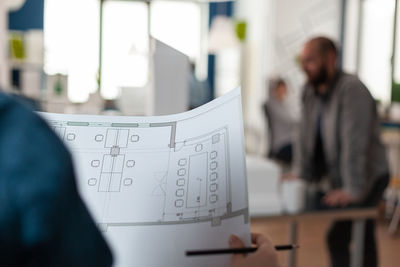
178,178
158,177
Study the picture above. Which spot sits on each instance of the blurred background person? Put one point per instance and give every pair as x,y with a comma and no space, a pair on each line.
340,147
281,122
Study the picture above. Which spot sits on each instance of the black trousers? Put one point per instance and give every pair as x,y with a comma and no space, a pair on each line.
285,154
340,233
339,238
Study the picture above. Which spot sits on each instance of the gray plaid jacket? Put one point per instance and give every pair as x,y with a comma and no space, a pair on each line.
355,157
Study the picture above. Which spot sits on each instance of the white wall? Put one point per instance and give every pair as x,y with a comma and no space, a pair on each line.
277,30
256,55
170,81
296,22
350,46
3,45
375,48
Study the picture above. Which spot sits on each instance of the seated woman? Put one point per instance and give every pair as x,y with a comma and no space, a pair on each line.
281,122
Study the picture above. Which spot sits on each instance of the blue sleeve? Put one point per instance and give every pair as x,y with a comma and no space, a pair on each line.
43,221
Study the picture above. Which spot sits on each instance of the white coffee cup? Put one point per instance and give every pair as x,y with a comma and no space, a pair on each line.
293,196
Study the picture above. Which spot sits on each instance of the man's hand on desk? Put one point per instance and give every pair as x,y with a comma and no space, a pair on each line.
265,256
289,176
338,197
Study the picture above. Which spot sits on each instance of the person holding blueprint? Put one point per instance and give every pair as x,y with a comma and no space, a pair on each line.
43,221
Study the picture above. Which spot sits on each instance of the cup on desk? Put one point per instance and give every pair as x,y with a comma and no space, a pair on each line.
293,195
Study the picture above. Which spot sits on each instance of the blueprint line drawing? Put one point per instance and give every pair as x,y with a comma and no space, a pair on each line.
193,185
161,172
178,178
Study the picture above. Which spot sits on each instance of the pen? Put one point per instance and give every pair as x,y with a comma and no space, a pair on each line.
234,250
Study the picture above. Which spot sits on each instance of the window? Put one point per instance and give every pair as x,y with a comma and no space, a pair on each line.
376,47
183,26
125,47
71,34
72,41
178,25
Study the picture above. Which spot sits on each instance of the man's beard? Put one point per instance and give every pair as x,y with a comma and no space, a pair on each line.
321,78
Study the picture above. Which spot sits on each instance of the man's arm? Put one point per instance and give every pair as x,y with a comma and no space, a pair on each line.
356,121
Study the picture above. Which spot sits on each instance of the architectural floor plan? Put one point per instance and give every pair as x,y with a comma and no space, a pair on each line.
151,171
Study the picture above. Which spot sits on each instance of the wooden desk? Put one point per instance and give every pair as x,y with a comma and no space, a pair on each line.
358,216
391,139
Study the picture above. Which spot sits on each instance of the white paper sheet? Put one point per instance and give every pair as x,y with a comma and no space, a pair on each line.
158,186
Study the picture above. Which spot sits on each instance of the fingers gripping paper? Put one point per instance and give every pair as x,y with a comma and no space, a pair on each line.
158,186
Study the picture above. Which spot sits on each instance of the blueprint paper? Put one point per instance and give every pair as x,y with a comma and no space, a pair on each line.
158,186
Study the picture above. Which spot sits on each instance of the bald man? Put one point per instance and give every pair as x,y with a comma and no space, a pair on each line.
340,148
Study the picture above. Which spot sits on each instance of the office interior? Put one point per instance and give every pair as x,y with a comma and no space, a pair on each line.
157,57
